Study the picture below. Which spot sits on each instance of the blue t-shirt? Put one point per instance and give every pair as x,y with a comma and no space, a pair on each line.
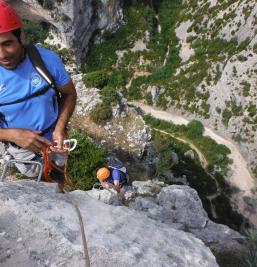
37,113
117,175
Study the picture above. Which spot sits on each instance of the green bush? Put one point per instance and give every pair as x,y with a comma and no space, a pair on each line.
34,32
101,113
84,161
48,4
118,78
249,249
241,58
66,54
226,115
255,48
103,55
109,95
252,110
97,79
195,129
246,88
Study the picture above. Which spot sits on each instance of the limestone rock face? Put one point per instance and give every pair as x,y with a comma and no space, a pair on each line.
126,130
178,206
40,228
73,22
235,86
181,207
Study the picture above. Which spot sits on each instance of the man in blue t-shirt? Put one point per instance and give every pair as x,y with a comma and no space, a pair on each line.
33,124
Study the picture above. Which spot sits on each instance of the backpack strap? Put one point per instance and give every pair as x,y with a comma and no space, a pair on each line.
39,65
40,92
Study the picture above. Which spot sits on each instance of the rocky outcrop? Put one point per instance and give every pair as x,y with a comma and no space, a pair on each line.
73,23
126,131
40,228
179,207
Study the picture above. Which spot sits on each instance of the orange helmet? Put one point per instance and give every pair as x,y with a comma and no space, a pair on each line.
9,20
102,174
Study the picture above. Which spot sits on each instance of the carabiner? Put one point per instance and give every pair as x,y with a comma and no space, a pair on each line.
68,144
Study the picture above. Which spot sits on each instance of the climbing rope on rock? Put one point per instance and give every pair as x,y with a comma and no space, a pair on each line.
51,169
82,228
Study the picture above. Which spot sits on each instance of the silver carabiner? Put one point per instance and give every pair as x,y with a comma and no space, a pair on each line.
68,144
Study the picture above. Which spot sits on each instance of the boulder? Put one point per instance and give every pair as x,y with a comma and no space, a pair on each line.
180,207
39,227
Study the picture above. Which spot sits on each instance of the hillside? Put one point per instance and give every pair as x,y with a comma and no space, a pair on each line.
190,196
197,57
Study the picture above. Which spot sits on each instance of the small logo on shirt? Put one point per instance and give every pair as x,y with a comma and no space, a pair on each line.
36,80
2,87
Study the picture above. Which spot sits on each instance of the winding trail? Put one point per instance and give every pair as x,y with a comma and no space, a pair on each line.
202,159
240,177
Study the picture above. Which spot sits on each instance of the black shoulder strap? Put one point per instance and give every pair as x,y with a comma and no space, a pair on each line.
39,64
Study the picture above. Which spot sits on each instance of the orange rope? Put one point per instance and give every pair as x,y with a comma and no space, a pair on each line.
49,165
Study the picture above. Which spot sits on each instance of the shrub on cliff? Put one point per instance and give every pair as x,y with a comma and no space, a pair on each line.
100,113
96,79
84,161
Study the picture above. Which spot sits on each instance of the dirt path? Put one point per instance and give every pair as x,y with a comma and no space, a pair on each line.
199,153
241,177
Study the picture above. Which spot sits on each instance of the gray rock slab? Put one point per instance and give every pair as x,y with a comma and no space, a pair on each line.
40,228
180,207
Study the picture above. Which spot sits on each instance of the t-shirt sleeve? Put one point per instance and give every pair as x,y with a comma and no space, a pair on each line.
57,69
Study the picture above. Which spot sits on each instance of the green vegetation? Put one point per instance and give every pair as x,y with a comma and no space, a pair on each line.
34,32
103,57
103,111
226,115
252,110
97,79
249,249
246,88
255,48
197,177
194,129
84,161
216,154
164,67
241,58
67,55
48,4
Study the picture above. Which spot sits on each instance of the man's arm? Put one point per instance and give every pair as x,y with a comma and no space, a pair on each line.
68,103
24,138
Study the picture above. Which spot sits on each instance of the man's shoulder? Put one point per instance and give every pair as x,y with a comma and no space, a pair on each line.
45,52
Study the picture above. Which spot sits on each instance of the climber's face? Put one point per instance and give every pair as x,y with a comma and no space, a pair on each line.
11,51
